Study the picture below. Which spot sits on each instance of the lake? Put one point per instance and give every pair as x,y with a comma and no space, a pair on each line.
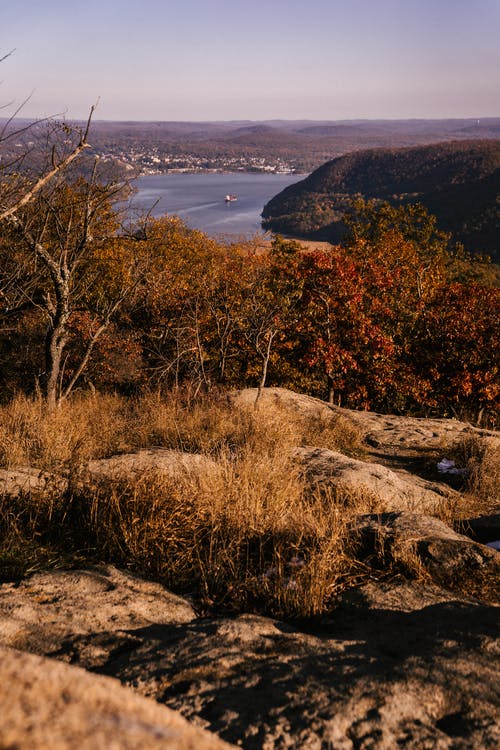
199,199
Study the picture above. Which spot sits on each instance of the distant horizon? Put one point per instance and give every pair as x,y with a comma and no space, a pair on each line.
345,120
300,119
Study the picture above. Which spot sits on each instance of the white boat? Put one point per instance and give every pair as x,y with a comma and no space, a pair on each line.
231,198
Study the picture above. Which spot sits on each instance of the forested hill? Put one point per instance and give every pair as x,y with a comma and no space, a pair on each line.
459,182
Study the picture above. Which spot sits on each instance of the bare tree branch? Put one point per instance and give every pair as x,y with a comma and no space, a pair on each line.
7,54
56,168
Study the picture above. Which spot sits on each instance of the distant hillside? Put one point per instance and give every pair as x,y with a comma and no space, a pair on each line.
458,181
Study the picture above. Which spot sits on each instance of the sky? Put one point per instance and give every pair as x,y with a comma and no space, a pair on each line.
255,60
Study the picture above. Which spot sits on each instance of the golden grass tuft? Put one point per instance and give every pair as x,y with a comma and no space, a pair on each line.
484,468
480,456
244,535
80,429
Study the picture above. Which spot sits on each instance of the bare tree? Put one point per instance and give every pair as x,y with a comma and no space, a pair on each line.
64,235
16,188
52,226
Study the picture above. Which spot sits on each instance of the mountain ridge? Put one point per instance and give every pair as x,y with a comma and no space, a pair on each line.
458,181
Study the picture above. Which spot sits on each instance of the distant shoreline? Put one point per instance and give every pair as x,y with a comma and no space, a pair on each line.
288,173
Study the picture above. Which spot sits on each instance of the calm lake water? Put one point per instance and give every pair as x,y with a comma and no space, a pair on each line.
199,199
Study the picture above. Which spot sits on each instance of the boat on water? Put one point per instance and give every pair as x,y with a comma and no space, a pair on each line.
231,198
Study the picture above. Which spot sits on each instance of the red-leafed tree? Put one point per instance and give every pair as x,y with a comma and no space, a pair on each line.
457,342
341,331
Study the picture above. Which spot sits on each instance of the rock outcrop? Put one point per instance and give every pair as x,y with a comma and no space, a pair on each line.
46,704
451,559
387,431
399,663
46,609
391,491
28,480
396,665
125,467
161,461
397,457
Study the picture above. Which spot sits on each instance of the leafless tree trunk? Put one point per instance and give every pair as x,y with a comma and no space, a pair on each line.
264,349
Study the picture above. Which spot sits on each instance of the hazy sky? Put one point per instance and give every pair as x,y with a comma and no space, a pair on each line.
253,59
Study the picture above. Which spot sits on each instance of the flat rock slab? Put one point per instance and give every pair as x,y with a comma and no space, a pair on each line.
161,461
25,480
396,666
393,491
126,467
411,433
46,704
41,612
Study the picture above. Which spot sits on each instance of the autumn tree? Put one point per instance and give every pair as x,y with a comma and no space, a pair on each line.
172,298
47,233
74,262
457,342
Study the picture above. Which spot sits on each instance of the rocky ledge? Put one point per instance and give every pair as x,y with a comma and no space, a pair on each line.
397,663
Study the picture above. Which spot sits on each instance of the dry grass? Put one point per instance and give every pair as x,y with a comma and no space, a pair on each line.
88,427
80,429
480,456
243,536
484,467
247,535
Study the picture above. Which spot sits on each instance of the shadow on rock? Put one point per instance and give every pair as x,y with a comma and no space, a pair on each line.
259,683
